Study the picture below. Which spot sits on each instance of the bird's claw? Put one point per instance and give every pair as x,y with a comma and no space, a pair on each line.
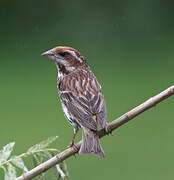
73,145
108,130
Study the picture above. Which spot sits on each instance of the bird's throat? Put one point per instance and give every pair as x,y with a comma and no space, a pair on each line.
64,70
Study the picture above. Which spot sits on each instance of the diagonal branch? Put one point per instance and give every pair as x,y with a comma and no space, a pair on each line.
111,126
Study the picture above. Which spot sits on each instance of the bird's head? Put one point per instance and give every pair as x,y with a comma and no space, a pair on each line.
65,57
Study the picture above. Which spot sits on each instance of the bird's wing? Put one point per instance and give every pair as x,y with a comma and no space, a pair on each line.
82,96
87,109
94,106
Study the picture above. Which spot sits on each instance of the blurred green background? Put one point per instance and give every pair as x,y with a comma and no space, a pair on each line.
129,46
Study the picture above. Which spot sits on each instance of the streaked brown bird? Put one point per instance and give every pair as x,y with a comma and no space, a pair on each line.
81,97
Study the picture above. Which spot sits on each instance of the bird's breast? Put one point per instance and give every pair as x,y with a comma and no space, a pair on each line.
79,83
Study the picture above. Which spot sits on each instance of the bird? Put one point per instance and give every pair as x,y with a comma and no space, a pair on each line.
81,97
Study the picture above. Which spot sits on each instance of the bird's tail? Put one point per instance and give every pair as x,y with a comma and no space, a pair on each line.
91,143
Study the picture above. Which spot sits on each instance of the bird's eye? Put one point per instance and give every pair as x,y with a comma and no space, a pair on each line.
63,53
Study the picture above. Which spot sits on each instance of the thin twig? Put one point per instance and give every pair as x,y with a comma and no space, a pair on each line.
111,126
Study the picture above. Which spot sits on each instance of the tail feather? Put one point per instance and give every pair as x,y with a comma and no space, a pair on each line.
90,143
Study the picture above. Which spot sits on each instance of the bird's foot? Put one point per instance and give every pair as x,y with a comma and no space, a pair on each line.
73,146
108,130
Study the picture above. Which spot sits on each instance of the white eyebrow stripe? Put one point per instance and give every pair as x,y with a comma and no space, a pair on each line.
74,54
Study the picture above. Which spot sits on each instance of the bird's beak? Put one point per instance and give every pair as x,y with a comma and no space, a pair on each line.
48,53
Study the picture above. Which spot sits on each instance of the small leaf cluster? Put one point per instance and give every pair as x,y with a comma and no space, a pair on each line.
39,153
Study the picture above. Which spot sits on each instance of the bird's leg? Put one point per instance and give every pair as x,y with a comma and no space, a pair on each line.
75,130
72,144
108,130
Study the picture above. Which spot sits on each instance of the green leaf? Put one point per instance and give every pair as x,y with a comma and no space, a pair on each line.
6,151
2,167
45,154
36,161
10,172
62,171
42,145
18,162
40,157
